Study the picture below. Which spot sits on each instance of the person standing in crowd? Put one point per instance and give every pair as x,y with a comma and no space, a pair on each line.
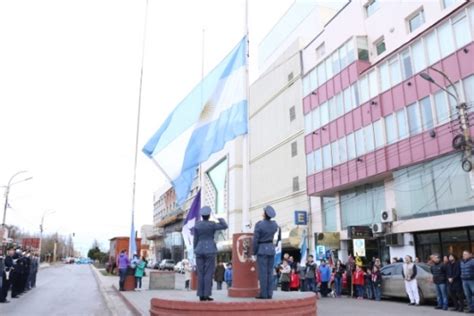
350,267
467,278
339,272
301,275
409,275
7,273
122,264
294,280
187,274
292,263
377,282
264,249
134,261
17,273
358,280
368,284
34,270
438,269
310,275
139,271
325,272
228,275
219,275
453,273
206,250
26,278
285,277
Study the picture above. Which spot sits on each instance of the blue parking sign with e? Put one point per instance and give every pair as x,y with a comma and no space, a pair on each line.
301,218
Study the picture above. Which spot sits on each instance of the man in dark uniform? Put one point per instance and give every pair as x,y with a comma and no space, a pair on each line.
264,249
17,273
6,275
27,273
205,250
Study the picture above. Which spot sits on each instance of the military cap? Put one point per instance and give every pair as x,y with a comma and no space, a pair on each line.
269,211
205,211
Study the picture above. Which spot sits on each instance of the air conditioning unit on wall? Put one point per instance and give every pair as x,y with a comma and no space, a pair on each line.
377,228
387,216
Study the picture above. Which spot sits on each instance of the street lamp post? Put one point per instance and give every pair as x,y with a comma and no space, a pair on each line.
461,141
7,192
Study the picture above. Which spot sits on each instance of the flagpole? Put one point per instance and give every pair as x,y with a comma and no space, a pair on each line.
245,141
132,233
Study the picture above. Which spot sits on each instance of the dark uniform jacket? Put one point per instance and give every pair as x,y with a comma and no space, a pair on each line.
204,231
453,271
439,273
263,238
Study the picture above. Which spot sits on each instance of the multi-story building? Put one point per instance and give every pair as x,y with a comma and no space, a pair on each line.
378,136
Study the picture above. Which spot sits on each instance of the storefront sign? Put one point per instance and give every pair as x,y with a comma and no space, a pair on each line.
359,232
301,218
320,252
359,247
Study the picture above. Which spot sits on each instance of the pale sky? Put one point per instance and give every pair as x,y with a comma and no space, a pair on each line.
69,78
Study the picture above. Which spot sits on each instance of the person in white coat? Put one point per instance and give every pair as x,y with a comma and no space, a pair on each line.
411,286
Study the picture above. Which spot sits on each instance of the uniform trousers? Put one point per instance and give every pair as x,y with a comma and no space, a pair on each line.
265,274
205,266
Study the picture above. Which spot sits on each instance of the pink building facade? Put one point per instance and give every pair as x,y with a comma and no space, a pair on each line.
378,137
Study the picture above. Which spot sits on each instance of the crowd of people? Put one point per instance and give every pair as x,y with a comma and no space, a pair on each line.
19,268
136,266
452,278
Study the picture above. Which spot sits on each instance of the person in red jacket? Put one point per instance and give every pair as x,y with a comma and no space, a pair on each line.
358,280
294,280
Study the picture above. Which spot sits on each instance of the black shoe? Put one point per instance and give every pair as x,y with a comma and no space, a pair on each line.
202,298
16,296
208,298
438,307
411,303
260,297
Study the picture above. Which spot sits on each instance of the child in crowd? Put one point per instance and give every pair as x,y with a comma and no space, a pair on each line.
294,280
358,280
228,275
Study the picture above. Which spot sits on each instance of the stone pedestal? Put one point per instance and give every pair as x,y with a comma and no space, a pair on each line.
244,278
162,280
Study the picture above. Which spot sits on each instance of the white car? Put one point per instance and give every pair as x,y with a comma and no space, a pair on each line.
179,267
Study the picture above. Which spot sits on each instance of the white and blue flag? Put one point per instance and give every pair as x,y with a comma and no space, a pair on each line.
213,113
303,249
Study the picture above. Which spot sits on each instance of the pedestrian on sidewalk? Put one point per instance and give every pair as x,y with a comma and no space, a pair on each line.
325,272
358,280
285,277
467,277
368,284
453,271
219,275
294,280
310,275
228,275
139,271
122,264
438,270
205,250
34,270
187,274
411,286
339,272
377,282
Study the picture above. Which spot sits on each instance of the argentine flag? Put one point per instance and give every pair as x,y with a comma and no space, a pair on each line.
303,249
213,113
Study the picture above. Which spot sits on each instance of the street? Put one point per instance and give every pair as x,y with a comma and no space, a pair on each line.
60,290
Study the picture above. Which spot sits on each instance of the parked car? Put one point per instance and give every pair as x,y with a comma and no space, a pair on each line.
166,264
393,284
179,267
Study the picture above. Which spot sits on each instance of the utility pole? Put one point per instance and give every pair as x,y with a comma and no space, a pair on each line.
7,192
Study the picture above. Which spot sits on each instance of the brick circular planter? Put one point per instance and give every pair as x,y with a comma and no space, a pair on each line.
284,303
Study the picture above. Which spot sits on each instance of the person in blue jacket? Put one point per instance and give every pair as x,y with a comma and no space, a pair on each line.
205,250
228,275
325,272
264,249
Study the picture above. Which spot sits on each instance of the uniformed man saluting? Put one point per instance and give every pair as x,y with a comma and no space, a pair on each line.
205,250
264,249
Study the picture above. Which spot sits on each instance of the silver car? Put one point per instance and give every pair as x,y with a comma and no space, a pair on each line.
393,284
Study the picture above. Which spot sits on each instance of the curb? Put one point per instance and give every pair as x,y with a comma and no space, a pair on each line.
129,304
108,302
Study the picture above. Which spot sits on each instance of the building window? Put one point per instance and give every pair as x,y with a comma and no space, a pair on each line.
360,143
461,27
320,51
296,184
316,118
441,106
310,163
391,129
347,100
419,59
414,119
445,35
406,62
321,73
364,89
371,7
355,95
324,113
369,138
335,153
448,3
292,113
416,20
402,124
290,76
332,109
378,133
342,149
294,149
340,104
380,46
426,113
329,214
336,66
432,48
395,75
384,77
351,148
318,161
362,205
327,156
308,123
373,84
